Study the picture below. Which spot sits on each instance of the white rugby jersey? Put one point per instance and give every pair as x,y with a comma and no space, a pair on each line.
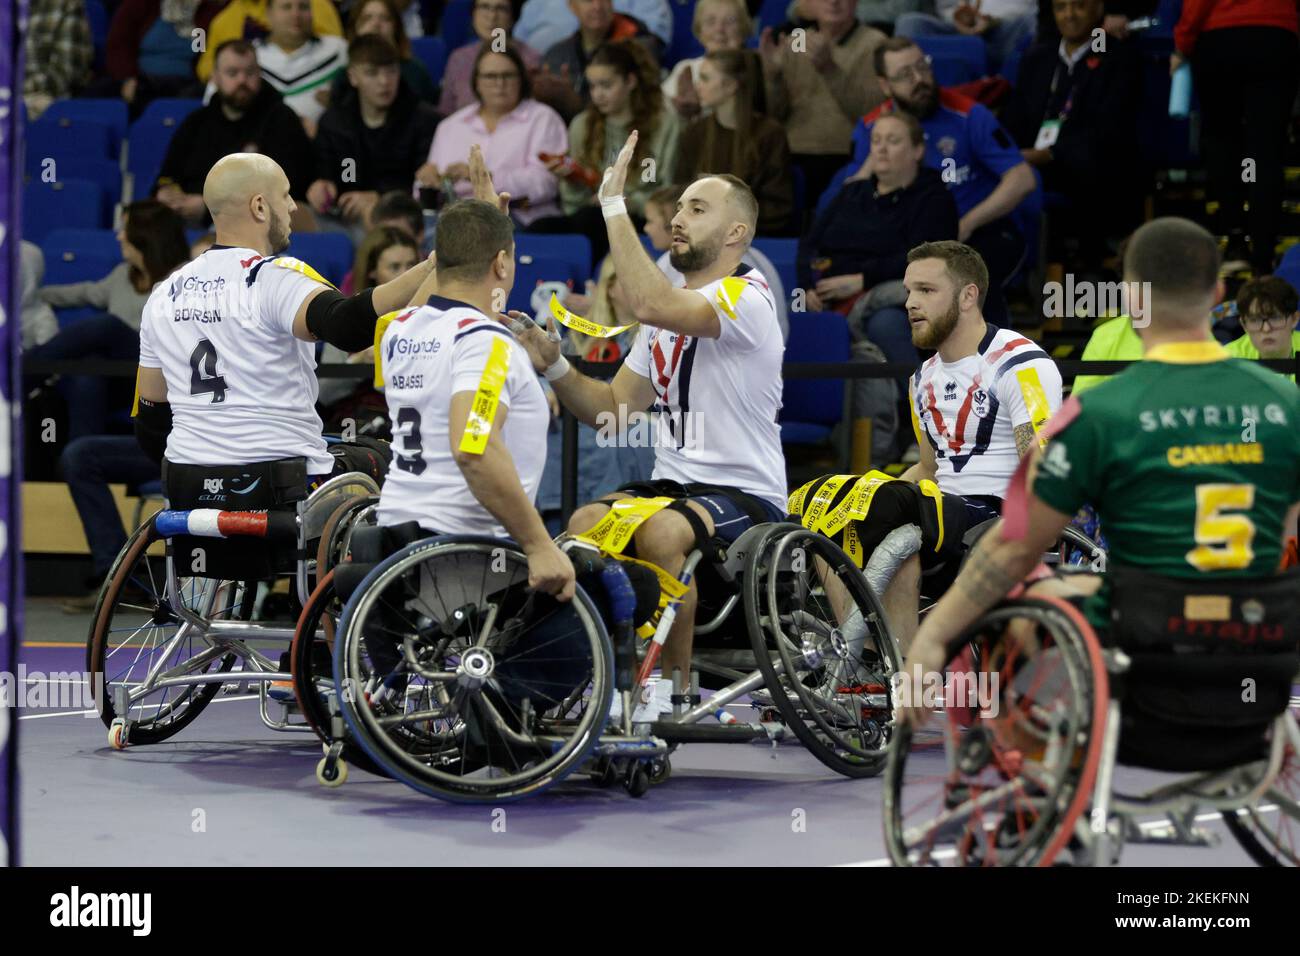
717,400
967,410
299,75
427,355
242,388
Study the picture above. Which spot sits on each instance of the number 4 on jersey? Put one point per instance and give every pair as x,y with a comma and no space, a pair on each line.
203,372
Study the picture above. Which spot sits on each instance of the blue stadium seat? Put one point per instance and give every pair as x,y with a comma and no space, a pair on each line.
329,253
969,49
74,203
58,138
79,255
811,407
106,173
432,52
455,29
684,45
573,248
1011,68
148,139
530,270
783,253
1289,267
107,112
772,13
951,70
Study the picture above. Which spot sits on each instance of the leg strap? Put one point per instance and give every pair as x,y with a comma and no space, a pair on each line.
698,527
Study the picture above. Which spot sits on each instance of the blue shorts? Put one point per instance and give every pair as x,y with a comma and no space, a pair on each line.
733,511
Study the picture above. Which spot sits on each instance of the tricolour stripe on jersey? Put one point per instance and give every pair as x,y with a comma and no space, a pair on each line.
1007,347
487,326
963,414
1030,356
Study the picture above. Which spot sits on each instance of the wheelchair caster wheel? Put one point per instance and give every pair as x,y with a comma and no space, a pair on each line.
331,773
117,734
637,781
659,770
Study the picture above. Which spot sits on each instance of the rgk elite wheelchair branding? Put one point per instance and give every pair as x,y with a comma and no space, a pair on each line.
77,909
212,486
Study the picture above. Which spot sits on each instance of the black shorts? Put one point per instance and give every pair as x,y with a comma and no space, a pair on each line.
733,511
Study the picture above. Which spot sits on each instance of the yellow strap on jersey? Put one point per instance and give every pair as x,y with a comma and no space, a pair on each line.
297,265
855,504
135,402
612,532
916,422
816,509
576,322
670,592
478,426
931,490
728,294
1031,390
381,326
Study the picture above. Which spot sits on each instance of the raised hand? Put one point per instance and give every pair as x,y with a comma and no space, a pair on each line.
481,181
615,178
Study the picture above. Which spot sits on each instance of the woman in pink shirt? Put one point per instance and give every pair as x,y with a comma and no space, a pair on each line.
487,17
511,127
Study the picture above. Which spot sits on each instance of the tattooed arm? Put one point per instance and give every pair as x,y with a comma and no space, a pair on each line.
991,570
1026,440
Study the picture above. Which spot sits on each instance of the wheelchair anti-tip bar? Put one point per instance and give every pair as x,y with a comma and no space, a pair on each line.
213,523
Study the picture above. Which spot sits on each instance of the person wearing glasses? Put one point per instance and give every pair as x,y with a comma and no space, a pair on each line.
978,159
513,130
486,17
1267,310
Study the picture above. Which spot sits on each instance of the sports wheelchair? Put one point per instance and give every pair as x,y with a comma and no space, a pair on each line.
1193,678
447,672
178,616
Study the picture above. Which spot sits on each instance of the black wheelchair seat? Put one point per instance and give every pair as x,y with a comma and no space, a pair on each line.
276,485
1212,663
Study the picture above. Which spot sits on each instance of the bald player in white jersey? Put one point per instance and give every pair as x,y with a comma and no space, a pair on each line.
227,360
707,363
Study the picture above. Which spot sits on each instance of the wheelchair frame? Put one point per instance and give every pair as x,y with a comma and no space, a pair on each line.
225,638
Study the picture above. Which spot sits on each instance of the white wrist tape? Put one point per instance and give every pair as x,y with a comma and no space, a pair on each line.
609,208
557,369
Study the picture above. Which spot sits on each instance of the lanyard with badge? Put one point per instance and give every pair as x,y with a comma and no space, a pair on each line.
1050,131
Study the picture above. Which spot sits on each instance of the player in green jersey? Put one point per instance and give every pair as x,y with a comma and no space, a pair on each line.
1190,457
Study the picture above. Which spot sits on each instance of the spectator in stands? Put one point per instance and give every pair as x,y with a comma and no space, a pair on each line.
59,52
819,93
399,208
150,50
884,14
296,64
409,13
734,137
1267,310
89,465
981,163
1119,13
1002,24
1245,68
514,131
153,245
1073,112
853,259
544,23
487,18
371,142
567,60
246,20
244,115
38,322
718,25
625,95
385,253
384,18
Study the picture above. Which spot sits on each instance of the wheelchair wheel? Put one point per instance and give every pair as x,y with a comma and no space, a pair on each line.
832,688
463,683
138,633
1270,831
311,662
338,531
1002,786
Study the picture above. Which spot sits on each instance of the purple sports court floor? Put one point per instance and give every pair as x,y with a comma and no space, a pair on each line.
227,791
